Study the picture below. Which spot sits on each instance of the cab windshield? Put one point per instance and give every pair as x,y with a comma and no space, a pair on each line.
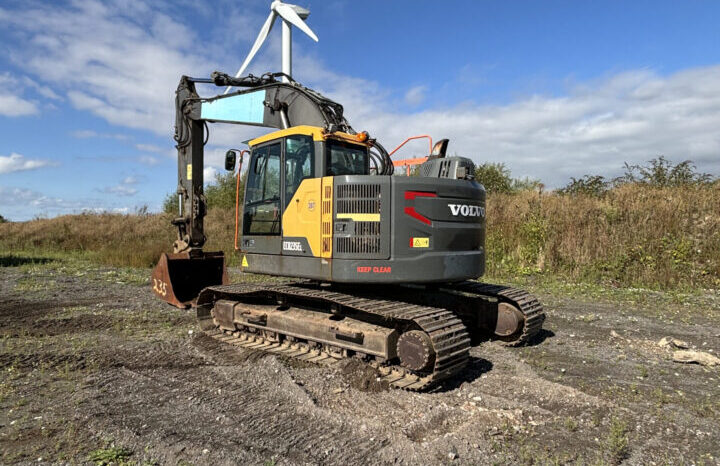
346,159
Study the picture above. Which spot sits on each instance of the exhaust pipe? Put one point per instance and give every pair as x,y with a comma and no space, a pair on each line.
178,278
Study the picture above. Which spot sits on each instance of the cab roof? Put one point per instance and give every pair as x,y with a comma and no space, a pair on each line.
317,133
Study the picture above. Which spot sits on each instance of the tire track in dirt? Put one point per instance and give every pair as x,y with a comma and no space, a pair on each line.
126,368
229,410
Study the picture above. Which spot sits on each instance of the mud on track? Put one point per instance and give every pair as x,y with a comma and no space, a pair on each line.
88,360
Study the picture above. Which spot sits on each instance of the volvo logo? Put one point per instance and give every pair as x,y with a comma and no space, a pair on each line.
467,210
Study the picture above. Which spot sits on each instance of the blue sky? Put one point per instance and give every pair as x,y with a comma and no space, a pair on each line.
552,89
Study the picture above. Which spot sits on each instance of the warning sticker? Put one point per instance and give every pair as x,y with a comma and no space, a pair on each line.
245,262
189,172
364,269
419,242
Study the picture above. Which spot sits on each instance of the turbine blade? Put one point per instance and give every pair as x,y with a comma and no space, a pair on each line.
264,31
287,13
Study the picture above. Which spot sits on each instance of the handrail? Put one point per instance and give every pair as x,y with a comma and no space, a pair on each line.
410,139
408,162
237,196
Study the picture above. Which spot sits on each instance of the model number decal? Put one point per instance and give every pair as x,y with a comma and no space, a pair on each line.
292,246
374,269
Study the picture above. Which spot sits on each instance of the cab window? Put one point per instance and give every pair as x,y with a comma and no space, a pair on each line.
346,159
299,163
262,197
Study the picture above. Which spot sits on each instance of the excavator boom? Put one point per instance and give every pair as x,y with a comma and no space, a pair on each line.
260,101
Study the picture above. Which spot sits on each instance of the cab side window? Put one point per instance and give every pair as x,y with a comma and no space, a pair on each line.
262,197
346,159
299,163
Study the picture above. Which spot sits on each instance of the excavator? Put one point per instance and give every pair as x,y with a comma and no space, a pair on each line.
376,266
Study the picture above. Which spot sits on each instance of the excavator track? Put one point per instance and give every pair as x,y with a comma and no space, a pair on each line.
526,303
448,331
476,304
447,334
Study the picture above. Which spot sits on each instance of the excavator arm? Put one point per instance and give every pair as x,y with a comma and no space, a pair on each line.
265,102
259,101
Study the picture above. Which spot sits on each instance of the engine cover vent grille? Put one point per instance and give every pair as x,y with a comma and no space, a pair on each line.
358,191
367,228
358,199
358,245
358,206
361,205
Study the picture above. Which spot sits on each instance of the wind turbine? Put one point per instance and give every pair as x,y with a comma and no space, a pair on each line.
291,15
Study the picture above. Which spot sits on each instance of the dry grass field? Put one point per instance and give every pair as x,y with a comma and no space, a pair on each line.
632,236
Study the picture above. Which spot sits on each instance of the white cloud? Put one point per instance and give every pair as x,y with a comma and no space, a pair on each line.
84,134
22,204
17,162
633,116
148,160
90,134
166,151
14,106
12,103
124,188
117,61
44,91
150,148
415,95
120,190
209,174
122,63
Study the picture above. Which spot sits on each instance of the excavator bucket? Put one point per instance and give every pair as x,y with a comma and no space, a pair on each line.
178,278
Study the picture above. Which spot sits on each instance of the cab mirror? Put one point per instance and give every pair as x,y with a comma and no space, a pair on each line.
230,160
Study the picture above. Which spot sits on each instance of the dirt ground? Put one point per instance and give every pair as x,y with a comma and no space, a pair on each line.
94,369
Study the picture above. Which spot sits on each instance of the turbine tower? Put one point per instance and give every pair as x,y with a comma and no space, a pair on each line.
291,15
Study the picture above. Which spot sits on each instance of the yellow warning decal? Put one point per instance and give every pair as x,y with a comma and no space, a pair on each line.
245,262
419,242
189,172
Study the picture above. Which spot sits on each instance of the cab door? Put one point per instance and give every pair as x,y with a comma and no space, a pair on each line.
262,214
301,191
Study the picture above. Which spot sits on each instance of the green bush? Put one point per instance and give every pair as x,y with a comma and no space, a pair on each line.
495,177
220,194
170,204
588,185
662,173
657,173
526,184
